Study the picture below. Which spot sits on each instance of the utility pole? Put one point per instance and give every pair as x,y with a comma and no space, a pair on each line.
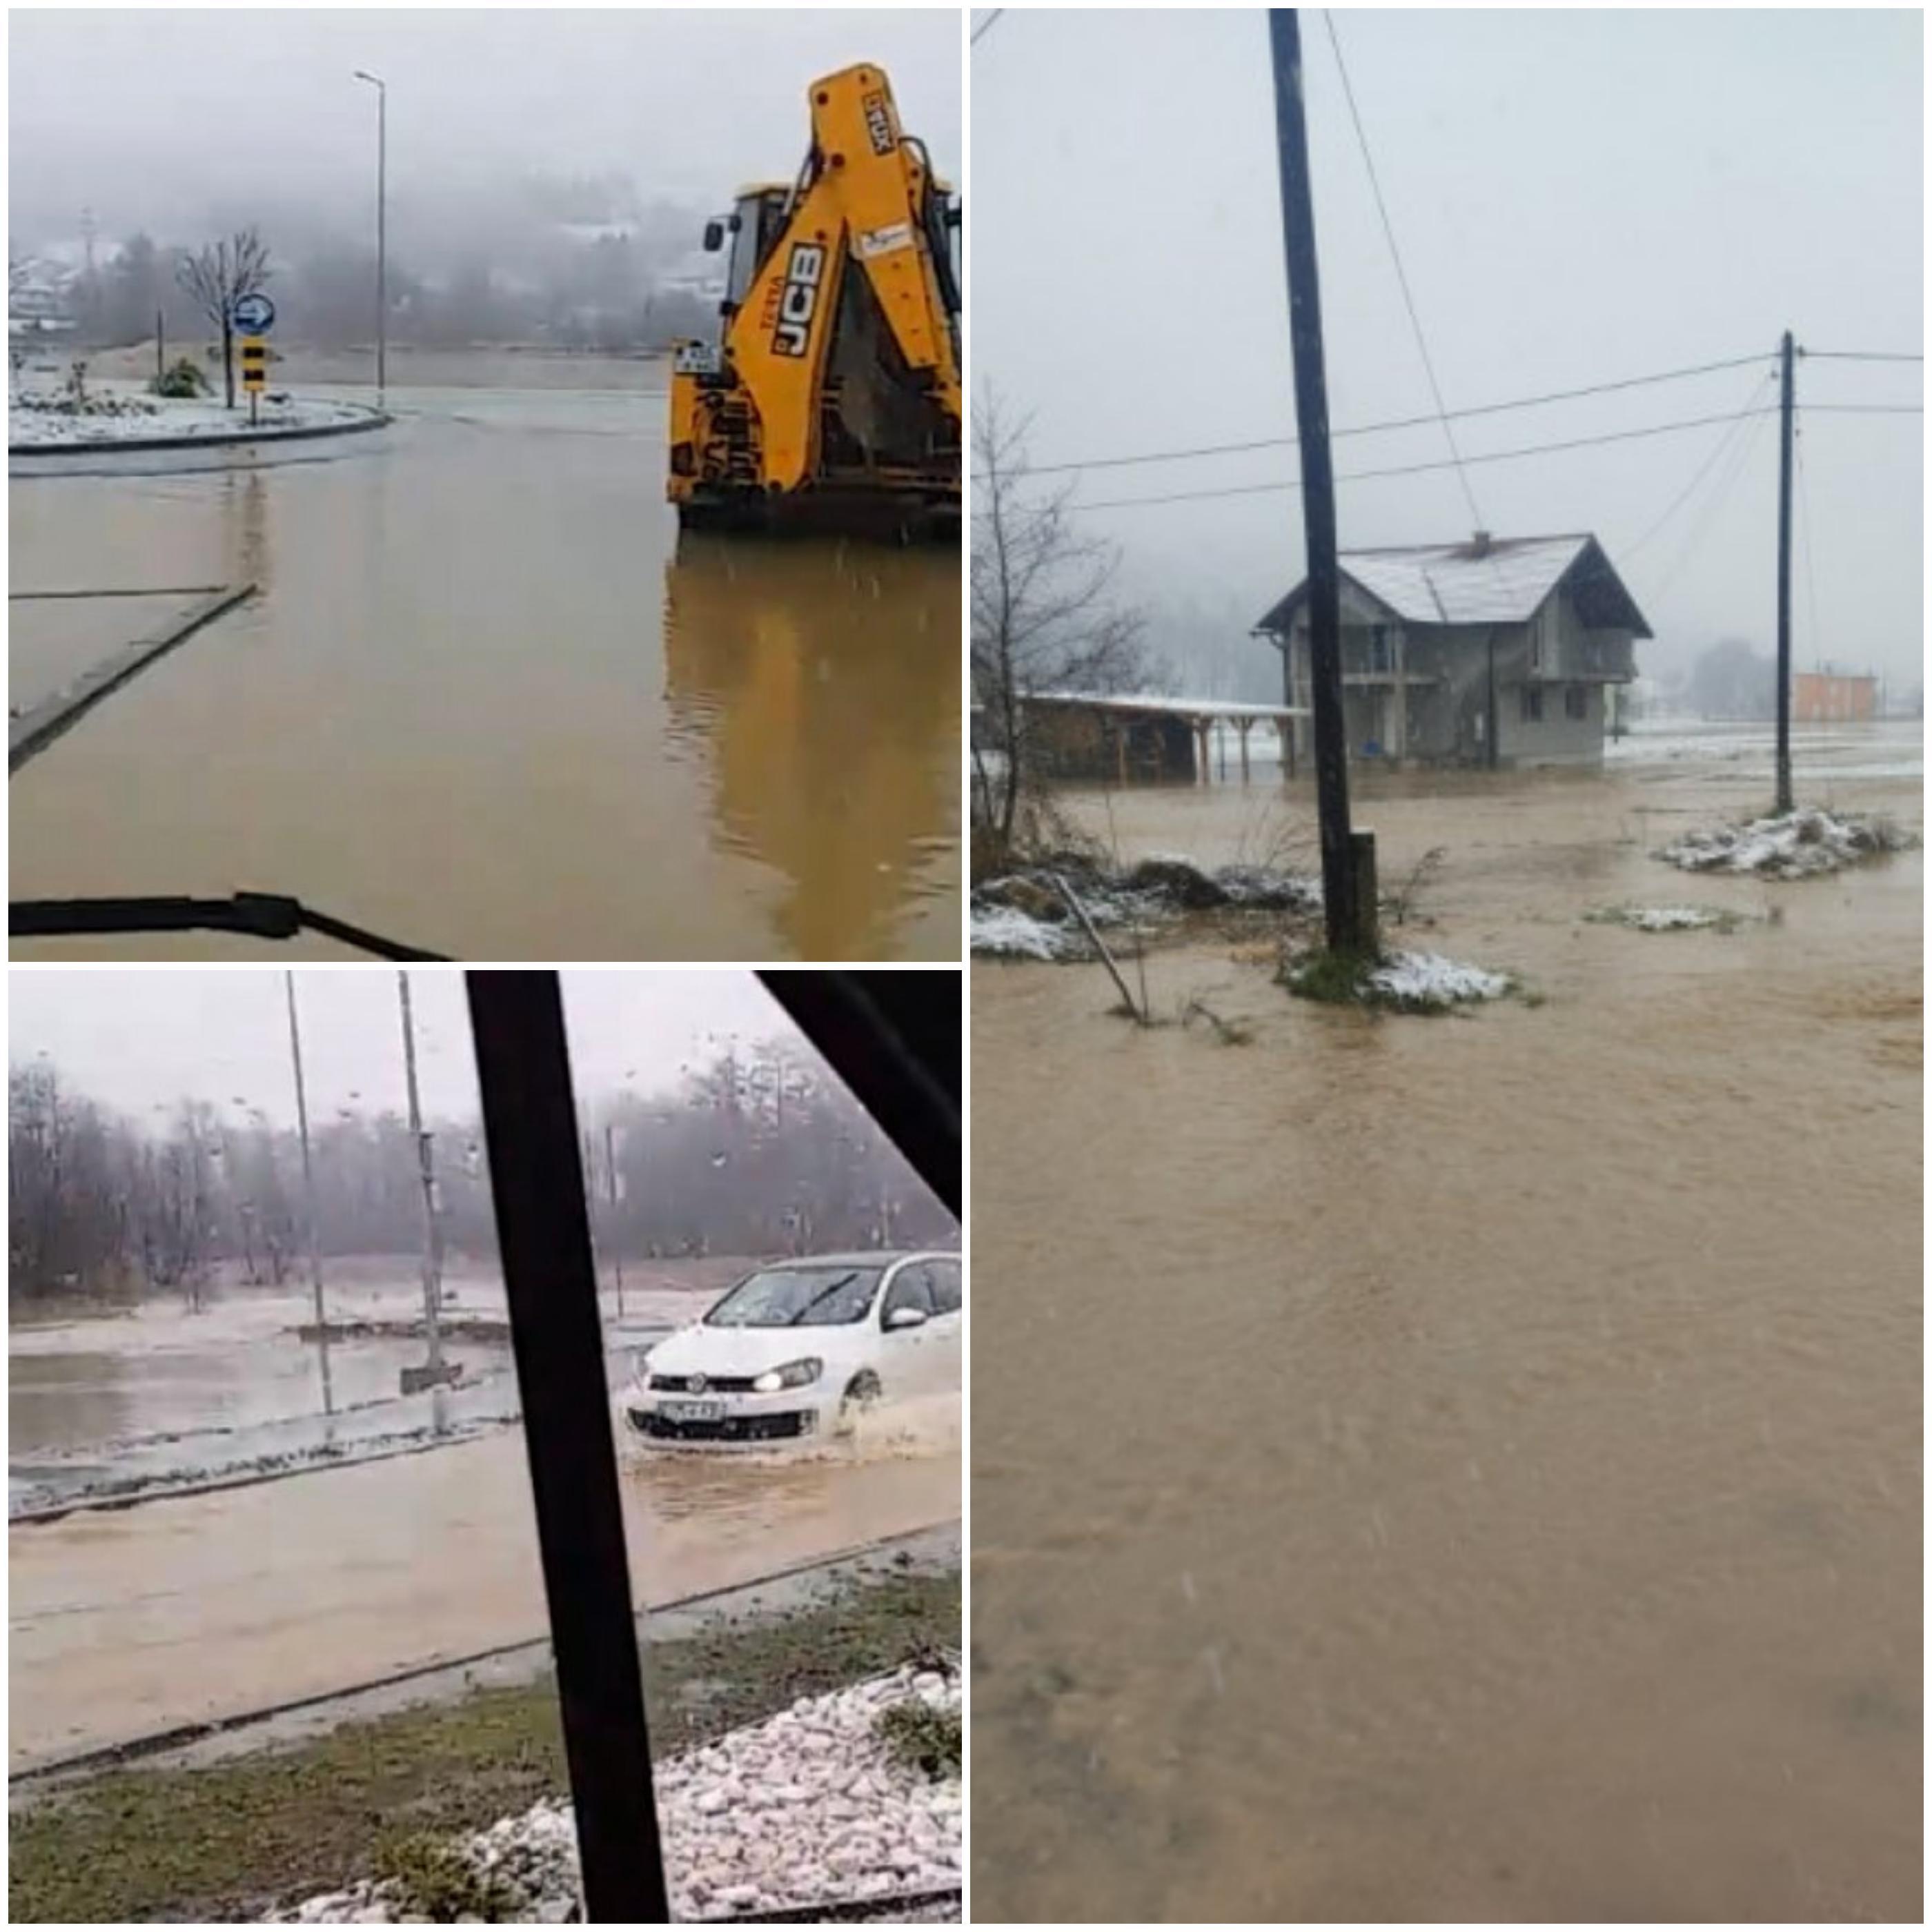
1350,925
611,1181
308,1199
432,1262
381,231
1784,804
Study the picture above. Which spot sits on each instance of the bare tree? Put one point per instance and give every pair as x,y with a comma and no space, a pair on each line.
218,278
759,1152
1043,616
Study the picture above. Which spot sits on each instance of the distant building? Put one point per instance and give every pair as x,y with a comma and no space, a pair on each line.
40,301
1833,698
1498,651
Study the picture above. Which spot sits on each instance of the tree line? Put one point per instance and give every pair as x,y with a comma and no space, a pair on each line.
760,1151
592,290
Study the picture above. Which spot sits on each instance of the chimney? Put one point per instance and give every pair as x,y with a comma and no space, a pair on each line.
1479,544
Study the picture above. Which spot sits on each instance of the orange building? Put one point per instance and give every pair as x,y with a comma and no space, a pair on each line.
1833,698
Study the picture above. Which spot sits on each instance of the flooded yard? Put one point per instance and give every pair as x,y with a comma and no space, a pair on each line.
1463,1467
488,701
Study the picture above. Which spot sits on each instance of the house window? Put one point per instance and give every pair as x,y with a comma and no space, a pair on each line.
1577,700
1531,696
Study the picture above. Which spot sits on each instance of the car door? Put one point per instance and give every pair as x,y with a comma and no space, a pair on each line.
904,1354
946,1330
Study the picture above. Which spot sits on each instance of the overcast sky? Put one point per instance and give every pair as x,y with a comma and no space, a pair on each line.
145,116
1578,197
137,1038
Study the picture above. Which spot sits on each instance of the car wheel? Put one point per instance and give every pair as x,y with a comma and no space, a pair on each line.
861,1392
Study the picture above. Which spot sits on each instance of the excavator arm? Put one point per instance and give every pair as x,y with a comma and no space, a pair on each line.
838,368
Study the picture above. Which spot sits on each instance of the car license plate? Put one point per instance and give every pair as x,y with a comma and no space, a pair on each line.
692,1412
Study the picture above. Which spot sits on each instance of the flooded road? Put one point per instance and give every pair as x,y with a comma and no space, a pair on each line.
489,703
163,1397
124,1622
1461,1469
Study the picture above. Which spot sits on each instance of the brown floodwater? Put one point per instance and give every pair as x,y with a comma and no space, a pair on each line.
1460,1468
489,703
121,1623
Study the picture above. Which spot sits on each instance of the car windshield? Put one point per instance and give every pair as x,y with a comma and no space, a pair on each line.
797,1298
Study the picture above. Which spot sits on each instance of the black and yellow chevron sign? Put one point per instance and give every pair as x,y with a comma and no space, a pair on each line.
254,362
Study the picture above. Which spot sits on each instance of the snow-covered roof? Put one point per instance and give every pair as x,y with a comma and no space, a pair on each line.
1489,580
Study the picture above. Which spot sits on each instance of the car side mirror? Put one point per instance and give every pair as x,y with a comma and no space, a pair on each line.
955,215
714,237
906,1318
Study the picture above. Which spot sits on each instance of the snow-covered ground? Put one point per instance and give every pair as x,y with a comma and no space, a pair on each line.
809,1808
1023,915
1007,933
117,412
1886,747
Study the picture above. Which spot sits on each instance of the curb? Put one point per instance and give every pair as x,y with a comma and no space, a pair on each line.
35,730
377,419
130,1750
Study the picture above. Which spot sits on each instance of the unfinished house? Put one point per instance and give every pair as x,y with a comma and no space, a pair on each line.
1834,697
1498,651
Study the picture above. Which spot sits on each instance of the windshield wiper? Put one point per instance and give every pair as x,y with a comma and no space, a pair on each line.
844,1281
256,915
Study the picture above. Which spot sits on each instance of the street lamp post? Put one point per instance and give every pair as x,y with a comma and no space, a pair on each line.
308,1200
382,229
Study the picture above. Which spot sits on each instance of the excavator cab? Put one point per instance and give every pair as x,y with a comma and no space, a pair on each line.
830,396
751,229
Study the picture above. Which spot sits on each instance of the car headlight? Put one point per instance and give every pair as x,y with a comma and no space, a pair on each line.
792,1375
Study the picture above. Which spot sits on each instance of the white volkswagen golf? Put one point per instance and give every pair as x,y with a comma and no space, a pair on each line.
796,1347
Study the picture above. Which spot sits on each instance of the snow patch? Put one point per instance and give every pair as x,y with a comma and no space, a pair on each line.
808,1808
1007,933
1793,845
120,412
1666,918
1428,979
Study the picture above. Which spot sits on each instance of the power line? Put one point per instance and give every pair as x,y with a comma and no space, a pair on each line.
1402,422
1741,452
1857,355
1810,548
1865,408
1401,274
1704,469
1418,469
984,26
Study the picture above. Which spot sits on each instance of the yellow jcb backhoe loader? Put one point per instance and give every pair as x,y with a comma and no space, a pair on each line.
831,399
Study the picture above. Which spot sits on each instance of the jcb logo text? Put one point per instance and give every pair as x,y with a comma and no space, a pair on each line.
804,276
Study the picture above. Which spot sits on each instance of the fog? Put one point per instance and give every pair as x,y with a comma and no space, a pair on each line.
139,1041
1579,197
152,117
510,135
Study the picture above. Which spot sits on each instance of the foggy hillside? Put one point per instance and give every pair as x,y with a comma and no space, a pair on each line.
549,174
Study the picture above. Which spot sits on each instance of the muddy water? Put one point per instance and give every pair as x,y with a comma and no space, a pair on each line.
163,1397
489,703
1460,1468
123,1623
